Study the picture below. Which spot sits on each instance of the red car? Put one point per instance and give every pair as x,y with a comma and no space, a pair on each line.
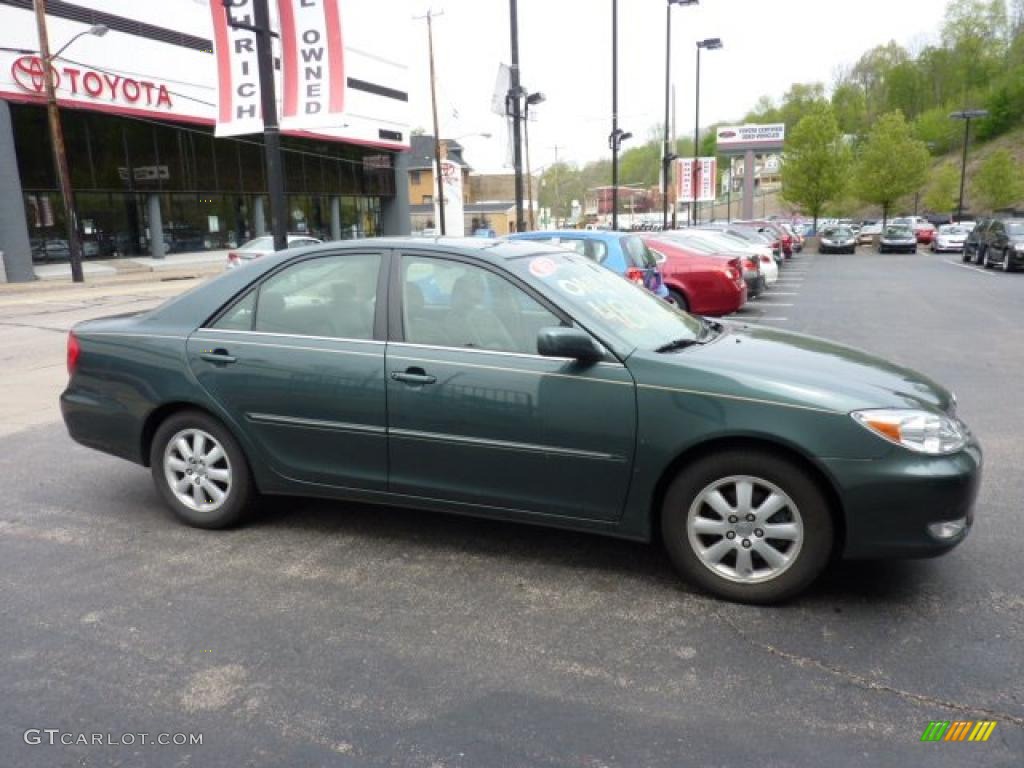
703,285
776,232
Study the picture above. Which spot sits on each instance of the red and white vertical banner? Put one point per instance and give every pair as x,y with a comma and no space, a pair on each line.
707,178
239,110
313,60
454,206
684,180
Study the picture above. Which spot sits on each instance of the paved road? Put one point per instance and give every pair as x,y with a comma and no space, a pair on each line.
346,635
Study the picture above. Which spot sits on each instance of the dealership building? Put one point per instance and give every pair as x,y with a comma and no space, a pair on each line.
138,107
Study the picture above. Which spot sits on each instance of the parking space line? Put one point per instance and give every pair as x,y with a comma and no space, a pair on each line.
777,304
972,267
784,293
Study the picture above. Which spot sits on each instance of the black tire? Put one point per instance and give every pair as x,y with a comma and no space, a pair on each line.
240,490
979,256
881,249
966,255
813,506
985,262
679,299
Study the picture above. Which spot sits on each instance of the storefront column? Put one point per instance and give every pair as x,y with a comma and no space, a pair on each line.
395,218
156,227
13,227
335,218
259,219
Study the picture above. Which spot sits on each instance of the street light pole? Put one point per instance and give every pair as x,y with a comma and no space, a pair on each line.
516,94
271,127
966,115
60,156
532,100
615,136
667,154
439,181
711,44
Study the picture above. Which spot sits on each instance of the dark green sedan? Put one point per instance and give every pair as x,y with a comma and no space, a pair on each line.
514,381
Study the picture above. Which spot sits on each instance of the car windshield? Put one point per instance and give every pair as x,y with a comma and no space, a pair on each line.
952,229
839,234
600,298
899,231
259,244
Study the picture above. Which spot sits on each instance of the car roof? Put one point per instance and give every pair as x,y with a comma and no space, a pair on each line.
488,249
578,234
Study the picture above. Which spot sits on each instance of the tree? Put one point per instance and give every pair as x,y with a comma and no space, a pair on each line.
892,163
997,183
943,189
817,162
851,108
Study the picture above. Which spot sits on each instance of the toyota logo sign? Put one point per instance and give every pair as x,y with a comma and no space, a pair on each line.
29,73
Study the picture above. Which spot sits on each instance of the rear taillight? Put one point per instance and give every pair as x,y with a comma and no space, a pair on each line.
74,350
766,259
749,265
635,275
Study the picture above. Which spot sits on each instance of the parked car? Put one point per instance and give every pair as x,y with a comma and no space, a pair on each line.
756,236
785,238
923,229
898,238
698,283
264,246
868,233
974,245
623,254
837,240
733,244
752,274
798,239
950,238
50,249
541,389
1004,244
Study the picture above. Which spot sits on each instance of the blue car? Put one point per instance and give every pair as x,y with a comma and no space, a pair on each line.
622,253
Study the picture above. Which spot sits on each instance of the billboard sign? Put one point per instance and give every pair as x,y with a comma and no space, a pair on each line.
740,138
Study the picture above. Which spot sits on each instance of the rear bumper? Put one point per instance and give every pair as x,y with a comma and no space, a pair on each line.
101,423
889,503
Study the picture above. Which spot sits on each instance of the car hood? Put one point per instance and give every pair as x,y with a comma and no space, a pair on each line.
799,370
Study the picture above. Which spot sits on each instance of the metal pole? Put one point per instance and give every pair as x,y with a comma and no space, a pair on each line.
666,151
963,171
59,151
529,174
271,128
516,94
437,134
696,145
615,115
728,213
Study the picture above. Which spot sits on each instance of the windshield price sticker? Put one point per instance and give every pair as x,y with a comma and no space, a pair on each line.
542,267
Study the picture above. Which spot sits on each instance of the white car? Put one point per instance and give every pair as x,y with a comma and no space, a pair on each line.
734,244
264,246
950,239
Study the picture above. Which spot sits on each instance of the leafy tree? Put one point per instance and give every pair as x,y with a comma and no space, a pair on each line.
851,108
816,163
798,101
892,163
942,195
997,183
937,131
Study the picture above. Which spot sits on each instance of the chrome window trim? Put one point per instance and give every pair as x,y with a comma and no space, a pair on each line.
295,421
603,364
506,445
289,335
85,334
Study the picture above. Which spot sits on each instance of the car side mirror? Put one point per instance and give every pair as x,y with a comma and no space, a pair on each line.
569,342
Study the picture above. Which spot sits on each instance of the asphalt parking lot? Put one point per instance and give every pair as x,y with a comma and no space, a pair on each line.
327,634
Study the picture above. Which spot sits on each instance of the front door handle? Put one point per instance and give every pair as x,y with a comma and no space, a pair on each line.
219,356
414,376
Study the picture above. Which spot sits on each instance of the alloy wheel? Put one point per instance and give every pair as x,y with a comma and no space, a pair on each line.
197,470
745,529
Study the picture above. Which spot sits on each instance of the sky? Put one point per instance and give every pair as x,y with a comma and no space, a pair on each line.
565,52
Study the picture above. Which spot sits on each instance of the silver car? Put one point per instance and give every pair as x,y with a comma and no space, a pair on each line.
898,239
264,246
950,239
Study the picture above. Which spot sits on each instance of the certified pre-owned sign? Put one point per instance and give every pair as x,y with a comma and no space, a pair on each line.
75,81
768,137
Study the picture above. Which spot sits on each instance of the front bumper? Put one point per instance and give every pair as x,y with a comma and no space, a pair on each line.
889,503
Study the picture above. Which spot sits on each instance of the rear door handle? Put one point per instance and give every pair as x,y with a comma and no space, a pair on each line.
413,376
219,356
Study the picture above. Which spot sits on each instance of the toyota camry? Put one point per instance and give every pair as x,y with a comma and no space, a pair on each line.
525,382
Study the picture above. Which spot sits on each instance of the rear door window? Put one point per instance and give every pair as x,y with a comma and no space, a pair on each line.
638,253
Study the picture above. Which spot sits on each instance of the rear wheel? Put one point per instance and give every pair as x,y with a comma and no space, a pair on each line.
986,262
966,255
679,299
747,526
1007,267
979,256
200,471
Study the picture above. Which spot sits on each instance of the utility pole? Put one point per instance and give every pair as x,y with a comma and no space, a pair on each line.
437,135
616,136
515,94
60,156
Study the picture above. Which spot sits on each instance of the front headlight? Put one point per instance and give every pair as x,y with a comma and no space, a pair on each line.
920,431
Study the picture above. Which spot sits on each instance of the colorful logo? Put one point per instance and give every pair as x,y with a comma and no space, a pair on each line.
29,73
958,730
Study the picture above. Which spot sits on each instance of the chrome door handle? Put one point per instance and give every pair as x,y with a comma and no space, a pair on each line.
413,376
219,356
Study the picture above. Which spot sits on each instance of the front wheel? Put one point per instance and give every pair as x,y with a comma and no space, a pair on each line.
200,471
679,299
747,526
